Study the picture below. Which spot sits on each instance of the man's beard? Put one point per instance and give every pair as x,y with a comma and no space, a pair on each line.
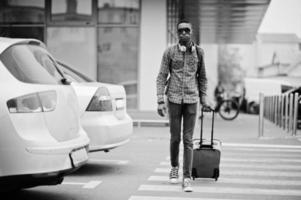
184,41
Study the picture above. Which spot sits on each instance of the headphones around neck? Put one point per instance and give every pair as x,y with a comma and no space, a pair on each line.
184,48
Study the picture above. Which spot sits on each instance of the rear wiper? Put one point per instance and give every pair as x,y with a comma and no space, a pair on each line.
65,81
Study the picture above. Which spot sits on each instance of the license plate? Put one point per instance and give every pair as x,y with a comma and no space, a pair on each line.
79,156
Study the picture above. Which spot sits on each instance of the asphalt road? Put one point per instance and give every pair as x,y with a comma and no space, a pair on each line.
251,168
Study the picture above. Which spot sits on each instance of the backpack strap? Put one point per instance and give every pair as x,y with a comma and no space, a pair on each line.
199,52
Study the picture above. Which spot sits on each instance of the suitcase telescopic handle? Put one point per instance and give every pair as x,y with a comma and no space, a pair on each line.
212,126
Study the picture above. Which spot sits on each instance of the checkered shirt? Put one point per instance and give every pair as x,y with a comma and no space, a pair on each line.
180,78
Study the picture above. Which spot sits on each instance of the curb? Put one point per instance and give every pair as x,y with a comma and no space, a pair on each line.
150,122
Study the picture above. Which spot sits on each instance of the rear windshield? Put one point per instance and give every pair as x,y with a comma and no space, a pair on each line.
73,74
31,64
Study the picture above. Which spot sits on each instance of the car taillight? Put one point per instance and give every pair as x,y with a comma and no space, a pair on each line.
101,101
33,103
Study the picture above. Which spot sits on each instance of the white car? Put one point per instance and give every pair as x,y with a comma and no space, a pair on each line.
41,138
103,111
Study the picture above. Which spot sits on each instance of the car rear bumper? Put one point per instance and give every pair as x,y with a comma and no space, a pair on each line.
35,157
107,131
16,182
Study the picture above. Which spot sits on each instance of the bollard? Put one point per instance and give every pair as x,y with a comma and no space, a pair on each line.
261,112
282,111
286,113
290,125
295,118
279,111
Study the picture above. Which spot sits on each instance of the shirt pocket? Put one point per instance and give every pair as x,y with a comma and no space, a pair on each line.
192,63
177,63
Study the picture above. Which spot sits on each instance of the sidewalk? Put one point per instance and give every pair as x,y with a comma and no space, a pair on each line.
243,129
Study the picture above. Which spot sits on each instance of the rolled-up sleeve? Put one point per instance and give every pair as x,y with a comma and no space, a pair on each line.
202,78
162,76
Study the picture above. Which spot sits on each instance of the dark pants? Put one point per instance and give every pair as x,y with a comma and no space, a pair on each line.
176,113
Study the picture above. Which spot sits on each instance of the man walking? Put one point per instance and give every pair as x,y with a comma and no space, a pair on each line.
186,85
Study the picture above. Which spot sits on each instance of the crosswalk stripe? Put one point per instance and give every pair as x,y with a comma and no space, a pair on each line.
224,190
240,181
246,170
251,160
260,166
267,166
92,184
103,161
235,145
88,185
246,173
241,149
258,155
171,198
264,160
261,155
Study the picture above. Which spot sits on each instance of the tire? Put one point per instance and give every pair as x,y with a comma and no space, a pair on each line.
228,109
253,108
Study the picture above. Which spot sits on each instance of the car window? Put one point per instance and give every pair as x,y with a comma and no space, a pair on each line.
31,64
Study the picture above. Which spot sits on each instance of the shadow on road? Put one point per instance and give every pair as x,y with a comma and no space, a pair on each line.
29,194
92,169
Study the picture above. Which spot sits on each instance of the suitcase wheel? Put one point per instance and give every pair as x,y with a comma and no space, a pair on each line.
216,174
193,173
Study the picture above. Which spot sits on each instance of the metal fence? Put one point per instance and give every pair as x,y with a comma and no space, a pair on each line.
282,110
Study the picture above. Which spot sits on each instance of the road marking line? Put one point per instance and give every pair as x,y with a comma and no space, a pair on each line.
223,190
119,162
73,183
245,173
261,154
262,145
251,160
89,185
92,184
252,165
240,149
262,160
266,166
240,181
171,198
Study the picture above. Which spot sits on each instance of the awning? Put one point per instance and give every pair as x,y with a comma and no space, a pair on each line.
225,21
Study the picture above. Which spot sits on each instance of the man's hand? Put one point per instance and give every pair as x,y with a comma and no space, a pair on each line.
206,108
161,109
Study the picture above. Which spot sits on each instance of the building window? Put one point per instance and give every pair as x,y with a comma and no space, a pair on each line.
71,11
118,12
74,46
22,32
22,19
117,50
22,12
118,59
173,15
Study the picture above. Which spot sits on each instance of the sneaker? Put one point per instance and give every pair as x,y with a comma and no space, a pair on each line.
174,175
187,185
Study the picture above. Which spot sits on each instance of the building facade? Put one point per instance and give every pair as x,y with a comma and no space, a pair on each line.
122,41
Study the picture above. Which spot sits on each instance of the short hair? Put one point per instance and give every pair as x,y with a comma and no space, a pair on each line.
183,21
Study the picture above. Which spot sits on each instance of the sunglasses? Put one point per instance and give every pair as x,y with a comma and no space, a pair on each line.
181,30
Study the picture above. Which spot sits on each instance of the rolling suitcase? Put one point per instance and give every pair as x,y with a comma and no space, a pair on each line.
206,154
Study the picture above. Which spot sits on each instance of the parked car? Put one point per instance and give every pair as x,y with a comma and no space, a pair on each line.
255,86
41,139
103,111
